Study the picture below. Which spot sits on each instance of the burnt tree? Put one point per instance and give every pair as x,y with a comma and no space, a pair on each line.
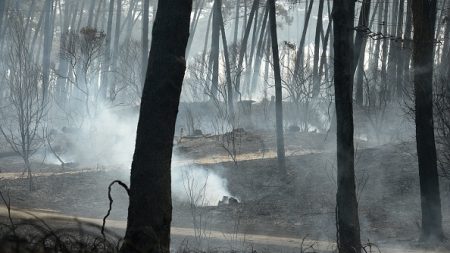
347,220
424,19
150,209
278,88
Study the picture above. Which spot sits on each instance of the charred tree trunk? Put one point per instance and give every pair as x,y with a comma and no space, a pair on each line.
298,67
236,25
107,61
407,46
376,55
215,48
243,45
150,210
48,41
115,52
445,61
278,88
319,28
145,41
393,52
194,23
360,47
424,18
347,221
259,51
230,100
383,73
63,66
398,53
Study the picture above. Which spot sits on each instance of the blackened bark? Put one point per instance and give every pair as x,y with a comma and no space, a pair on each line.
194,24
363,22
319,28
398,53
298,68
385,50
424,18
230,100
48,41
63,67
360,47
115,52
445,61
150,210
236,24
278,88
259,51
107,61
243,45
393,52
215,48
406,47
376,55
347,220
145,41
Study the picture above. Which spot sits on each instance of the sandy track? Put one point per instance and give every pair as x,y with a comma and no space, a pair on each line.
250,239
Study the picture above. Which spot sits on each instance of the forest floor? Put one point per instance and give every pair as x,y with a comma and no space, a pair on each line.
299,205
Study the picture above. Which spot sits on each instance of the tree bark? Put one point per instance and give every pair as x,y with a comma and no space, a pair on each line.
115,52
230,100
445,61
383,73
319,28
298,67
363,22
278,88
407,46
215,48
259,51
145,41
150,209
373,66
348,235
194,23
398,53
243,45
424,18
48,41
107,61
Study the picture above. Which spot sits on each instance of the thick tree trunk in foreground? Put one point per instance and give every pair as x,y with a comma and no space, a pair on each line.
424,17
278,95
346,204
150,210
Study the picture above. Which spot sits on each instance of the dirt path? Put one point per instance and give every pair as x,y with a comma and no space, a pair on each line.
188,233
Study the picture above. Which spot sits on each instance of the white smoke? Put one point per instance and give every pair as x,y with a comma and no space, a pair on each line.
108,141
198,185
